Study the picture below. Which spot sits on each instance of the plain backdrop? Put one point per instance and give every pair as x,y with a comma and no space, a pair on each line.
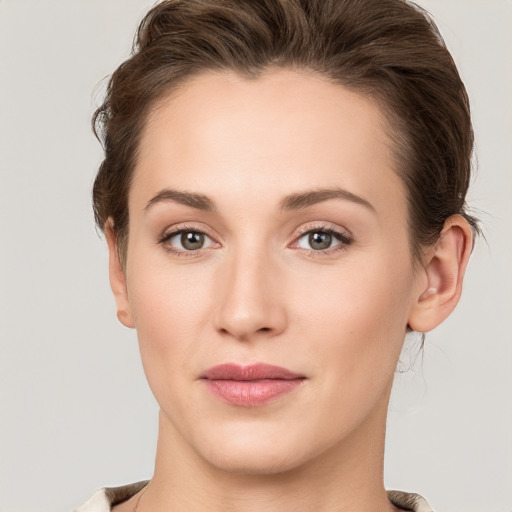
75,410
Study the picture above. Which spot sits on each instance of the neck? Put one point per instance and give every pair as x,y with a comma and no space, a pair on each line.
348,477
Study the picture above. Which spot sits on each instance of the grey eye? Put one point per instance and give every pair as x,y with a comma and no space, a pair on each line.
318,240
188,240
192,240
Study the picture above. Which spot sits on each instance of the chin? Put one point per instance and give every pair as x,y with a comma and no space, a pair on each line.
255,462
256,451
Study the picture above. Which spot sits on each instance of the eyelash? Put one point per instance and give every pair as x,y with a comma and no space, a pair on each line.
182,229
344,239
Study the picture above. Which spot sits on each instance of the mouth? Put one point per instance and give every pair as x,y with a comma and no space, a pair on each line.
252,385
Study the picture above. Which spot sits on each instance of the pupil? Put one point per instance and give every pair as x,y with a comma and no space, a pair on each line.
320,241
192,240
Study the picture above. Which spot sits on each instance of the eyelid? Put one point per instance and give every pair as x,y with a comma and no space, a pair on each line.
175,230
178,228
324,226
342,235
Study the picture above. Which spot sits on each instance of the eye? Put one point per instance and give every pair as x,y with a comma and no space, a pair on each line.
324,240
185,240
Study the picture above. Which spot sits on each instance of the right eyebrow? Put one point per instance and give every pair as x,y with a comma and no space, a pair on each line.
192,199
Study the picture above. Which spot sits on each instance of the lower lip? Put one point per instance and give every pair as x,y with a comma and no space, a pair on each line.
251,393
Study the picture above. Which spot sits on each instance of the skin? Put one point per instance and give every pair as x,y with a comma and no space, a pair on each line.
258,291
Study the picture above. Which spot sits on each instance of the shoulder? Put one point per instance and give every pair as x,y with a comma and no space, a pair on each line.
105,498
409,501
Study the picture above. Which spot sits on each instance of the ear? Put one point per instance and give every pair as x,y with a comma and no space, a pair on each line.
118,278
440,287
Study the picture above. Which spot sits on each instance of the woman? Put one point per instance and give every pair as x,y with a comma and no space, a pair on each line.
283,198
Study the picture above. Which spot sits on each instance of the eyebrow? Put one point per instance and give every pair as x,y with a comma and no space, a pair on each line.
295,201
192,199
300,200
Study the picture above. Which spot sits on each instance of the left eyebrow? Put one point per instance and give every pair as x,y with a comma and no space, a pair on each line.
301,200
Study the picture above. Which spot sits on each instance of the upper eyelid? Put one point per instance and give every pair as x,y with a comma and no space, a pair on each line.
174,230
171,233
342,237
324,226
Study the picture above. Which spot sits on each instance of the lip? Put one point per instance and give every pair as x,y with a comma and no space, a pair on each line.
252,385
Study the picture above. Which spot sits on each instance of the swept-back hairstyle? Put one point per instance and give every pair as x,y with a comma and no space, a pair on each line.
390,50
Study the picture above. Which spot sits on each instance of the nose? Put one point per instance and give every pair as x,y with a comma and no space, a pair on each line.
250,299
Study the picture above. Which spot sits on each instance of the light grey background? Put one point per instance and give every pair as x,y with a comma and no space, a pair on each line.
75,411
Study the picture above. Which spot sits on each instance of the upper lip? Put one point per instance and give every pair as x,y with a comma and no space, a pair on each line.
258,371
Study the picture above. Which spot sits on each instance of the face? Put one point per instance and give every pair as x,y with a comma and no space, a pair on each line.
268,227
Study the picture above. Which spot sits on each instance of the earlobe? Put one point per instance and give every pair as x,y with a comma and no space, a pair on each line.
118,278
444,271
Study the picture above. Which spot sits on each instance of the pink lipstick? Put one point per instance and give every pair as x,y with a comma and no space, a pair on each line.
249,386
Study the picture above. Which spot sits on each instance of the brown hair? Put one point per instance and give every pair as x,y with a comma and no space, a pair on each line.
388,49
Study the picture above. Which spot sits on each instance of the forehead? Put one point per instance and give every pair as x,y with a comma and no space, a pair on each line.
232,137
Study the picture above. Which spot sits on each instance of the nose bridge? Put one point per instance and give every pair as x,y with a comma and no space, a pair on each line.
249,301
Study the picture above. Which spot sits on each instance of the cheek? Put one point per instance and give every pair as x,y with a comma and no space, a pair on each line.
365,294
167,304
357,324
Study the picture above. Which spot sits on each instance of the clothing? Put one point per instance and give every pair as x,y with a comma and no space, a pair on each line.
105,498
